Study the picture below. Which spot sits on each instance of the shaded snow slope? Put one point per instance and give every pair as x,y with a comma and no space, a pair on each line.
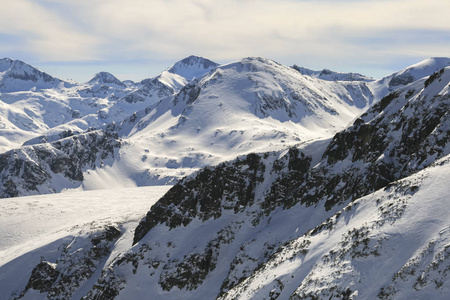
34,227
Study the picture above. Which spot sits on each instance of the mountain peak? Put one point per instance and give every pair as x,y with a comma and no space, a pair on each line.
192,67
13,71
5,64
106,79
417,71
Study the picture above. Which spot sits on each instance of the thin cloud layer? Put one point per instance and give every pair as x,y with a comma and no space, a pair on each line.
287,30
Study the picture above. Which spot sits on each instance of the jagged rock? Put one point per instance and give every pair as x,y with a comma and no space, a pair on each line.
29,170
43,277
78,261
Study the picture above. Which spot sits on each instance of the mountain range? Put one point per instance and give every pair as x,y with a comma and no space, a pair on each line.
288,183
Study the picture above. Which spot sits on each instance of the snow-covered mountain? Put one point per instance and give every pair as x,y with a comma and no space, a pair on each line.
355,212
173,126
252,105
38,107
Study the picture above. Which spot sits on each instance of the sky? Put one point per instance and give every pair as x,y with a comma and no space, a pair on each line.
137,39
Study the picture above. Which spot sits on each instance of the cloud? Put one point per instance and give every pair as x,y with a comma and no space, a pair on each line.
45,33
228,29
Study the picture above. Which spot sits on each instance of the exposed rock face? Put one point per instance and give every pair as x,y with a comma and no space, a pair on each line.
77,262
29,170
205,195
43,277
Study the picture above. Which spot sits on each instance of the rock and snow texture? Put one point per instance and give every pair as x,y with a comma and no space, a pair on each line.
357,214
280,207
52,167
392,244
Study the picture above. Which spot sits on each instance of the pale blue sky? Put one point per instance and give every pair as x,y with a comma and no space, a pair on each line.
137,39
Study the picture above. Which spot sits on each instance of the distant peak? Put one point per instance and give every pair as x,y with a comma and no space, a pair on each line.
253,64
193,60
6,60
192,67
8,63
420,70
258,60
106,78
17,70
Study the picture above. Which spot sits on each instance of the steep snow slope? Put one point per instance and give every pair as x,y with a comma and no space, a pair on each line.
401,78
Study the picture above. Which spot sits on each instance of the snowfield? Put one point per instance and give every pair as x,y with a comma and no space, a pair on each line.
28,223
